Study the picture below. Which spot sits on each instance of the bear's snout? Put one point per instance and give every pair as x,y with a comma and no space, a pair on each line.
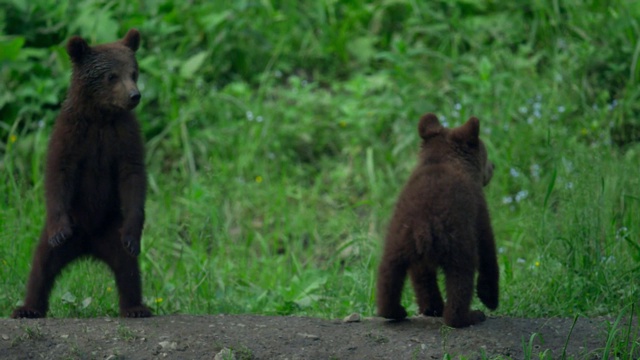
134,98
488,173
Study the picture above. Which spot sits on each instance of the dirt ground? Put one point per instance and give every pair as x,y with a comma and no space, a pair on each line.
278,337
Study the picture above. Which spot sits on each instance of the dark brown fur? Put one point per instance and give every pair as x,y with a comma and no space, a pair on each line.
441,220
95,179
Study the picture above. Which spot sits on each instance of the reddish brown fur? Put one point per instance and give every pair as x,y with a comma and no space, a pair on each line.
95,179
441,220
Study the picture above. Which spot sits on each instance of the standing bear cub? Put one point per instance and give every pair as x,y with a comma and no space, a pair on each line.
441,221
95,178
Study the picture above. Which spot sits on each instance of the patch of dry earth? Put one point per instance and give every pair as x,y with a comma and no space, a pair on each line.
278,337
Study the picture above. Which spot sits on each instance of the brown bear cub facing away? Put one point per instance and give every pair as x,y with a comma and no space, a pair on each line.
95,178
441,221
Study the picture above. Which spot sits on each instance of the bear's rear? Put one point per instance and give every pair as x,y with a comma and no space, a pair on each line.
441,221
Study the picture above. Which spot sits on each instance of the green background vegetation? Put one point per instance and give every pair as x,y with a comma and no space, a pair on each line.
279,134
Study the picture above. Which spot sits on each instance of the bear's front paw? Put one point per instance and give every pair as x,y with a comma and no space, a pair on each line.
26,312
131,244
487,290
59,230
60,236
397,313
139,311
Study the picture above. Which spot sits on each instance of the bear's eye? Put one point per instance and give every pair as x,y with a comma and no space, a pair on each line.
112,77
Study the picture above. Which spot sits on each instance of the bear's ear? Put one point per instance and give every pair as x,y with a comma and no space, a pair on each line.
429,126
132,40
469,132
77,48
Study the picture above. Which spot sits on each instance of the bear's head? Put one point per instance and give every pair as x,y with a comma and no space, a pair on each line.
460,145
106,75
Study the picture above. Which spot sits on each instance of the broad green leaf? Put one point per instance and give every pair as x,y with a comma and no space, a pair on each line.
68,298
10,48
193,64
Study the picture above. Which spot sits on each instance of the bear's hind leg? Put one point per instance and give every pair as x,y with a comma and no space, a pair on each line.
110,249
457,312
46,265
391,276
425,285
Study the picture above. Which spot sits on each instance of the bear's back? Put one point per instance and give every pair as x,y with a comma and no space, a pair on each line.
439,207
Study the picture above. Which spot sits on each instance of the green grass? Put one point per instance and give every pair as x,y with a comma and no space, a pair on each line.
280,132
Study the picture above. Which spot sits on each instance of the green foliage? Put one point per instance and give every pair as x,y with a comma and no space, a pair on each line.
279,133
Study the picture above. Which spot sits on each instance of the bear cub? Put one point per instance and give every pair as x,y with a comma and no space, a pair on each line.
95,178
441,220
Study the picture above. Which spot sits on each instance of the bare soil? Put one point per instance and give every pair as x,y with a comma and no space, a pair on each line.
280,337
